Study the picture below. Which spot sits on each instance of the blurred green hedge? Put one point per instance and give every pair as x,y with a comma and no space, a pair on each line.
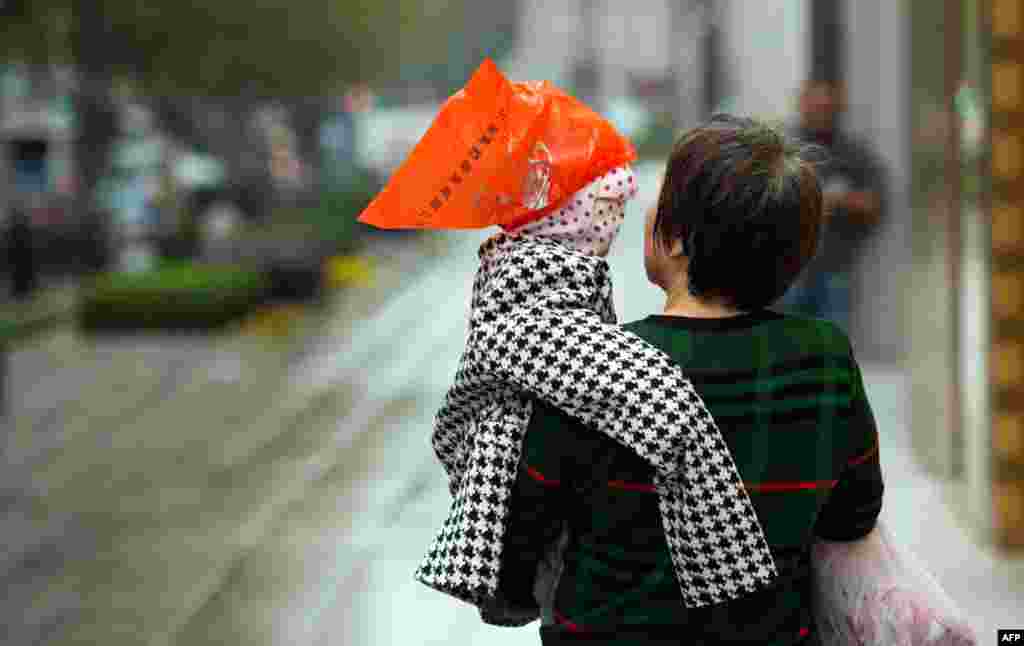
9,332
12,332
177,295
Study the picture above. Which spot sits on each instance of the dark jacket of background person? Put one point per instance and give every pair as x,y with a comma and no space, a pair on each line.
850,162
95,252
788,396
849,165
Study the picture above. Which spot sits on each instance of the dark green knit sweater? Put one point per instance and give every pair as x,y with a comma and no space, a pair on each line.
787,394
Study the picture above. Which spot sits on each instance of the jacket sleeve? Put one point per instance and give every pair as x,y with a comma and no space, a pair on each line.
538,508
853,507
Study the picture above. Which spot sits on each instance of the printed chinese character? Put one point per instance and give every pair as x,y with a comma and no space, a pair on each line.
484,140
435,204
446,193
455,178
474,152
492,129
466,166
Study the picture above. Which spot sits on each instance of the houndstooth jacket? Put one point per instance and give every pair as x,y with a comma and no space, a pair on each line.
543,325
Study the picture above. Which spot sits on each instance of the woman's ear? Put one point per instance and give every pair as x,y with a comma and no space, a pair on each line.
676,250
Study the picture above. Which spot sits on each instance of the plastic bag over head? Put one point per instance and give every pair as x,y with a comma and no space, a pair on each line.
498,153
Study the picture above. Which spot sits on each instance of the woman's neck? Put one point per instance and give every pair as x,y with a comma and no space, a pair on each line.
681,302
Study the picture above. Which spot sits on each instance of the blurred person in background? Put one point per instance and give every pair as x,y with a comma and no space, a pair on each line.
96,238
20,255
854,185
737,220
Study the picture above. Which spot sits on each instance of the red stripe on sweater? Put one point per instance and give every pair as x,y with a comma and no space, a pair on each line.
790,486
631,486
563,620
539,477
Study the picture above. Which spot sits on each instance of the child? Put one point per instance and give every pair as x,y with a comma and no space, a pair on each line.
542,325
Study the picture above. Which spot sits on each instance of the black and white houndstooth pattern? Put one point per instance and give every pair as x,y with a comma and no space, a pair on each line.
543,325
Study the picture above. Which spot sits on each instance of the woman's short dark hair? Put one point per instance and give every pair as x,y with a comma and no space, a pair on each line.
746,204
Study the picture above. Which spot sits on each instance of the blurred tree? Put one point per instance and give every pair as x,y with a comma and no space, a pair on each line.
222,57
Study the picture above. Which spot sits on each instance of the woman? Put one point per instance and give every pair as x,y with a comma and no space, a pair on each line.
736,221
542,326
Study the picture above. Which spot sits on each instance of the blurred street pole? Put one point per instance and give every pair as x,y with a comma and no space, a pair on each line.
5,160
586,71
828,39
689,20
7,8
716,72
96,123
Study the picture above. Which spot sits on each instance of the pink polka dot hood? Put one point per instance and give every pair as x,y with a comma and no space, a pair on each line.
590,219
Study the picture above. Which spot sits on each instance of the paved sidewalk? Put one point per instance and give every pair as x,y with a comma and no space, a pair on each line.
921,512
292,587
126,436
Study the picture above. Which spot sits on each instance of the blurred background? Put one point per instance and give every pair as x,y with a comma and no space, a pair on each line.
218,387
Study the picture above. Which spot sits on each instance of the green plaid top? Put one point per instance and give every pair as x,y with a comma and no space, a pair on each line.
788,397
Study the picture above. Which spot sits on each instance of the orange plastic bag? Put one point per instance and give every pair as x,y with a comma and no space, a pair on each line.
498,153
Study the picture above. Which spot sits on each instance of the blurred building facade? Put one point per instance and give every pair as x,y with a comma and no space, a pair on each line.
659,51
966,297
36,130
1000,31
